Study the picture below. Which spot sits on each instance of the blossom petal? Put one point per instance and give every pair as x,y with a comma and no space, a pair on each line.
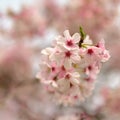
63,85
47,51
87,40
75,58
76,37
67,34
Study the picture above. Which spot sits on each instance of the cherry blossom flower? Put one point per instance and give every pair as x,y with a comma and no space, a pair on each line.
68,41
71,70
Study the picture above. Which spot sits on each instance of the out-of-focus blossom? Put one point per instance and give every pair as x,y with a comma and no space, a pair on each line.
78,116
15,67
68,117
93,15
70,67
29,22
110,108
112,104
53,12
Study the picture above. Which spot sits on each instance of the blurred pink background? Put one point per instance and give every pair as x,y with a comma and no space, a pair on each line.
28,26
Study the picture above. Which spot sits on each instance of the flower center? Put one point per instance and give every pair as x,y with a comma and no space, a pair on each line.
63,68
69,43
89,68
90,51
67,76
53,69
68,54
55,78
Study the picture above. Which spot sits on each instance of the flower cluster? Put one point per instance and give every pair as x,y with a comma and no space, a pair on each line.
69,68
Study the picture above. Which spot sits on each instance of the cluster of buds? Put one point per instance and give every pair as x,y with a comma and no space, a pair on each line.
69,68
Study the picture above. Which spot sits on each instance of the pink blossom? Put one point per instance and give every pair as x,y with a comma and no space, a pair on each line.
112,98
15,66
28,22
71,70
69,41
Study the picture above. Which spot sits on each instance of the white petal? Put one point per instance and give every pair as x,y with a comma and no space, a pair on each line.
106,56
87,40
60,39
75,58
51,82
67,34
47,81
75,78
63,85
76,74
76,37
47,51
67,63
54,84
75,81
